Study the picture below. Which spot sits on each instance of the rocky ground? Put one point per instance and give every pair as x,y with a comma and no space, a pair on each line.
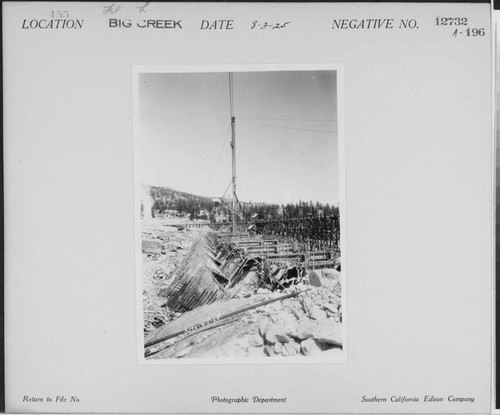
304,325
164,246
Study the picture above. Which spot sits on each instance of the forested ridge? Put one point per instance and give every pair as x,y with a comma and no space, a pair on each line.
165,199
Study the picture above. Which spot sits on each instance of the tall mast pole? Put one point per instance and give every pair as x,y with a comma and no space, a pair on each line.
233,149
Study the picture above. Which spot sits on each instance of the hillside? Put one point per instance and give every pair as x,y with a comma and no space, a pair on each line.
199,207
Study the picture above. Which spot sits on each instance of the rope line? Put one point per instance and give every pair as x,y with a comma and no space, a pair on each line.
291,128
220,153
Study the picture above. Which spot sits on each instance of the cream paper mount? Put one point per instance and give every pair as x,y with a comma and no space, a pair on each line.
248,207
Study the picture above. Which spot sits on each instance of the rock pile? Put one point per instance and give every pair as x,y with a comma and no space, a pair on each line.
307,325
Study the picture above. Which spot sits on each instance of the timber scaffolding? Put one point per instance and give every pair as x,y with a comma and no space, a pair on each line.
220,260
316,233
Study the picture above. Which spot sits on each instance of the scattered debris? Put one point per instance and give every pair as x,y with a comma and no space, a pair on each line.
212,293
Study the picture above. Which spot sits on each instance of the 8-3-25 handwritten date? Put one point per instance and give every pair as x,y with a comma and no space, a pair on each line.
265,25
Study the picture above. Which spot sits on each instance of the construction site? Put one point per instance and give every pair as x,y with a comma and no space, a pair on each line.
217,293
229,284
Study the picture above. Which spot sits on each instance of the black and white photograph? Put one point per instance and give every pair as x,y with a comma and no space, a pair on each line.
250,207
240,221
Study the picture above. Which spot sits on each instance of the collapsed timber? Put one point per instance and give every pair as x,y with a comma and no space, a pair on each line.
260,281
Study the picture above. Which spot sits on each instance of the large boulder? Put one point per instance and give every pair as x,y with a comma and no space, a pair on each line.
268,350
151,246
329,332
317,313
255,340
288,321
305,328
314,279
288,349
331,274
275,333
263,326
307,303
331,309
309,347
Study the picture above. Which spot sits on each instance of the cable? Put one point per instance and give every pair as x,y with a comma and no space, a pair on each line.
220,153
291,128
286,119
230,183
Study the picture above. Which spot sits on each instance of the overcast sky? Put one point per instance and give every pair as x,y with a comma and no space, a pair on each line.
286,134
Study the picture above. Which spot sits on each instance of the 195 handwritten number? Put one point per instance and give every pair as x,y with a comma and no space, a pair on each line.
59,14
